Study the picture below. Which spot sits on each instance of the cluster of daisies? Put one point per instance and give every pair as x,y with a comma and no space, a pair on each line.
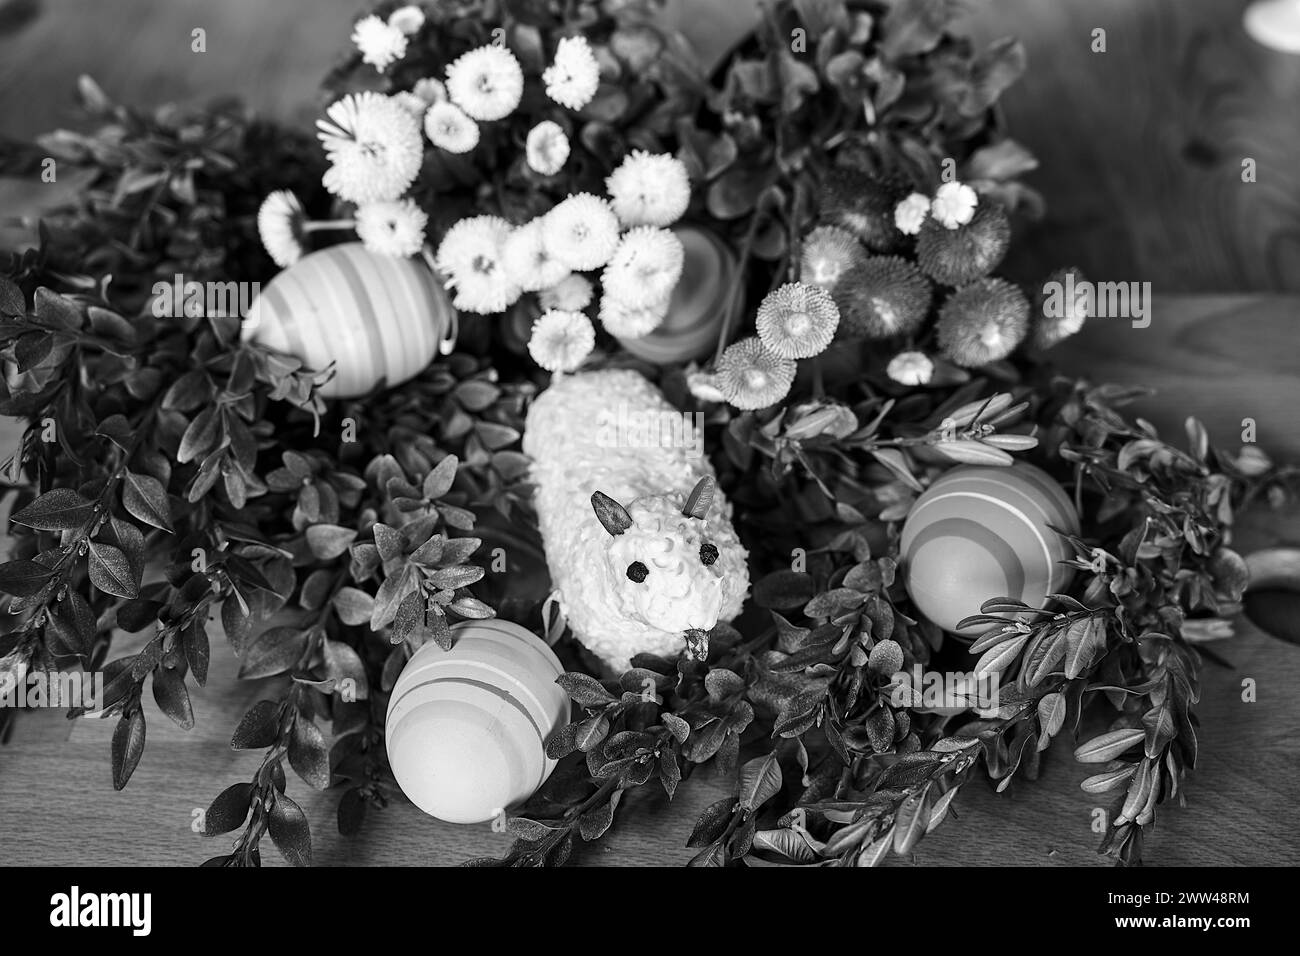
375,143
490,263
872,269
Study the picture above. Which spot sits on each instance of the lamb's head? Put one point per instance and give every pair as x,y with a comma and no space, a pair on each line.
661,564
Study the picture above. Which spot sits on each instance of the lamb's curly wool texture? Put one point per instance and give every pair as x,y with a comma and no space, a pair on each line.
574,437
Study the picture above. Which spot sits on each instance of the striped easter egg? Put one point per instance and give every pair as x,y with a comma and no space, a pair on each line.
982,532
695,312
374,316
466,728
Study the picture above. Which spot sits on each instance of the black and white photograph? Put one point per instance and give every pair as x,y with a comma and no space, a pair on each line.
651,433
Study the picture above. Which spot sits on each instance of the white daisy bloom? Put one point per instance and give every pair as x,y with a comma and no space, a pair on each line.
911,212
649,189
561,340
954,205
631,322
703,385
571,294
645,267
547,148
527,261
486,83
411,103
430,90
408,19
373,145
380,43
910,368
392,228
470,257
582,232
448,127
572,79
279,223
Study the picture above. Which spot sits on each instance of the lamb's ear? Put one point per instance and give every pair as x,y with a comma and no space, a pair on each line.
698,501
612,515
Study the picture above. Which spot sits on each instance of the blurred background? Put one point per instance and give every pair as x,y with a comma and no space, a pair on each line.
1141,147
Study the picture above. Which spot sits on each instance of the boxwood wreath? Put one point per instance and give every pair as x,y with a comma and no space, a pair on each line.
170,470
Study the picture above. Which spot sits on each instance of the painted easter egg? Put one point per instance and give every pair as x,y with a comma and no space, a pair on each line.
982,532
374,316
466,728
690,330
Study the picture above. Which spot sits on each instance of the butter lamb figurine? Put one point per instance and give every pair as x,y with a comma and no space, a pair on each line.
638,537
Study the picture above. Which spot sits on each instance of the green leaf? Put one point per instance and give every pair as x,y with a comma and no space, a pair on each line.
1108,746
23,578
198,650
145,498
328,541
61,509
12,300
273,652
782,590
308,754
1000,657
111,572
353,605
584,689
258,728
712,822
760,780
290,831
438,481
910,822
229,811
172,698
128,746
1110,780
1051,713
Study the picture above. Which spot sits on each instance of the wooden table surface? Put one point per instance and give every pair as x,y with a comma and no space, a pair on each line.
1214,358
1141,150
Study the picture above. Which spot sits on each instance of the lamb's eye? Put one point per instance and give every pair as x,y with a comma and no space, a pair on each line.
708,554
637,571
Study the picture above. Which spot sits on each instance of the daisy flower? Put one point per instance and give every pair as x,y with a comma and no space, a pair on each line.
910,213
645,267
910,368
649,189
380,43
983,322
574,76
582,232
373,145
561,340
631,322
448,127
828,253
954,205
882,297
527,261
411,103
750,375
964,253
470,256
571,294
407,19
1058,316
430,90
547,148
279,223
392,228
704,385
862,204
797,320
486,83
